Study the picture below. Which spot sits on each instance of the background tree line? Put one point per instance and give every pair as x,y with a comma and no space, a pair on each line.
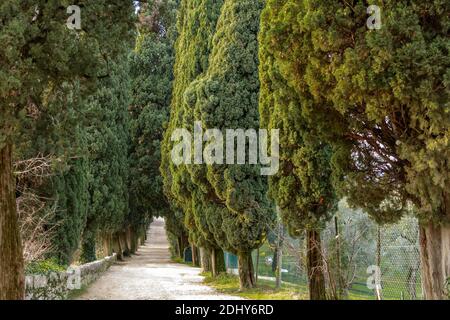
363,115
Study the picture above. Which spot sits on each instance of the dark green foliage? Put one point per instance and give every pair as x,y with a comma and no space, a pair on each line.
196,25
226,97
216,82
108,138
152,75
43,66
70,192
28,44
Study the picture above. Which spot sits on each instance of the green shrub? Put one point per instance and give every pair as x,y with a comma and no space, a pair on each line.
44,267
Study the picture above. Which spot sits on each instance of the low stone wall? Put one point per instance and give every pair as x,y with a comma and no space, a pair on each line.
58,285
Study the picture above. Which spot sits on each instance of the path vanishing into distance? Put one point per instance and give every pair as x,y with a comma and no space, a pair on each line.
151,275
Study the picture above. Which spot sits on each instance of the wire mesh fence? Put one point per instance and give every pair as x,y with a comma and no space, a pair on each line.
361,258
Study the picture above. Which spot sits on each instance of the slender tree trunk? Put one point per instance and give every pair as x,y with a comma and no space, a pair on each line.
246,271
213,263
134,239
117,247
12,281
184,244
316,277
107,244
340,278
143,236
435,260
217,262
128,239
205,259
257,266
275,259
378,287
179,248
195,261
124,243
279,256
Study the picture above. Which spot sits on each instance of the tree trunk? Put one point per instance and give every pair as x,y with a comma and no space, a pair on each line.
128,240
279,256
195,261
435,260
134,239
12,281
217,262
246,272
142,236
340,278
316,279
257,266
275,259
107,244
184,244
205,259
378,287
124,243
179,249
117,247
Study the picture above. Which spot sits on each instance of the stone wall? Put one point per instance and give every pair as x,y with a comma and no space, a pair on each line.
58,285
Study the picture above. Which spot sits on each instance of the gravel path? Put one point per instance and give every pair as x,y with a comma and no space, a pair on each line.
150,275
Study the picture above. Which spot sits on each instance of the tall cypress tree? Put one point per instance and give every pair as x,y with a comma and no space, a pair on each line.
152,75
303,187
33,62
107,133
196,25
226,97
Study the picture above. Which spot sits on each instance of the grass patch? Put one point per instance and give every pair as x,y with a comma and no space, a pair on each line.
181,261
265,290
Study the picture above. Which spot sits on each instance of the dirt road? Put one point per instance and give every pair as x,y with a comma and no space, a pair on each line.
150,275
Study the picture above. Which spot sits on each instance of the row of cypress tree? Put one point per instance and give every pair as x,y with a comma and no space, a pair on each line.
363,114
96,108
225,207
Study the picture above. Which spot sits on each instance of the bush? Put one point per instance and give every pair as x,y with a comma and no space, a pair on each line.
44,267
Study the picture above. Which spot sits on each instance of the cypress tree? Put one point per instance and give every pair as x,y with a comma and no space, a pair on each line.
152,75
31,34
196,25
70,192
303,187
226,97
108,140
